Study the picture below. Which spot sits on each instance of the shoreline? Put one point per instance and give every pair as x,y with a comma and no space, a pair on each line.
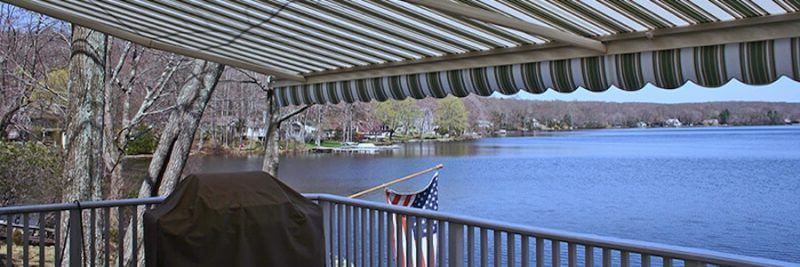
332,145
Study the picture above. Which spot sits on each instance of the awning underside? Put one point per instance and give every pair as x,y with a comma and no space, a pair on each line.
331,51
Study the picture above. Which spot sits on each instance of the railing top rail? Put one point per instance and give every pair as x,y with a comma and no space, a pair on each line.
635,246
92,204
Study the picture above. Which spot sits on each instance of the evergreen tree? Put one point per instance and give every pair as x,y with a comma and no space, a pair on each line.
724,116
774,117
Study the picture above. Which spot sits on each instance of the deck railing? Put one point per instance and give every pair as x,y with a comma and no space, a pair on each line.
359,233
89,218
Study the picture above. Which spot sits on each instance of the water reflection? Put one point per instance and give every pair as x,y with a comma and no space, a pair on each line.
424,149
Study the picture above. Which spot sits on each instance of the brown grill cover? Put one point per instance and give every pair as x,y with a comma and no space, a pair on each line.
234,219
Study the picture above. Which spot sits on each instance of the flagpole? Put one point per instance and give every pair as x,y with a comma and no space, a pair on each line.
384,185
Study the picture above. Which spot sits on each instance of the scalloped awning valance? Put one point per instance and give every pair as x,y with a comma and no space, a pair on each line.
759,62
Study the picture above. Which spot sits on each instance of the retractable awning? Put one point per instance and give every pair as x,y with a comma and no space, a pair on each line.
758,62
346,51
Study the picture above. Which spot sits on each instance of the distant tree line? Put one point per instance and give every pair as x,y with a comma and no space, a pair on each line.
520,114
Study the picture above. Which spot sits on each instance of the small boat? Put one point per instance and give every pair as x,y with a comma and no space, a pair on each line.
367,148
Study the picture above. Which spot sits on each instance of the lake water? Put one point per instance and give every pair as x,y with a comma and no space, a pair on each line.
731,189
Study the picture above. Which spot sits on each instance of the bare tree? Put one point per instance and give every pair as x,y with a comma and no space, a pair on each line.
273,123
32,46
126,82
84,163
176,140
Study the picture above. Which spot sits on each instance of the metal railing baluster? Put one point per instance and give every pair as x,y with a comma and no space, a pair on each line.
471,246
443,228
645,260
498,247
572,258
484,247
667,262
42,235
347,241
357,260
390,242
25,239
57,240
120,238
9,240
372,232
107,235
418,241
526,250
343,235
455,244
364,237
510,245
539,252
588,256
92,239
326,229
409,237
431,250
606,257
339,235
625,258
134,230
382,239
74,237
398,238
555,248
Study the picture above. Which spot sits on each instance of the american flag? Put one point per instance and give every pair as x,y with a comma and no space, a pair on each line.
427,199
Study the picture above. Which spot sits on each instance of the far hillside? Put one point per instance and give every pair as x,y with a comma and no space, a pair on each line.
513,114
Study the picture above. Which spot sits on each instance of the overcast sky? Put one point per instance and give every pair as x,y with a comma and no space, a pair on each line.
784,90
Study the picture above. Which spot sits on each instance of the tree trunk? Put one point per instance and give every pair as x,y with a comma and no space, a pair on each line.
111,158
174,145
271,152
115,158
111,155
271,137
5,120
84,148
318,136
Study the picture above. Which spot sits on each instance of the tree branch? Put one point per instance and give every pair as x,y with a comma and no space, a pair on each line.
159,111
293,113
120,63
254,80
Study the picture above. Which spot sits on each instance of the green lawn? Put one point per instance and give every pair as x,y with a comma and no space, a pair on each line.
326,143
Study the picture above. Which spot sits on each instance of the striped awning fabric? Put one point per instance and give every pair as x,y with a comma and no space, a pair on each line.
362,50
753,63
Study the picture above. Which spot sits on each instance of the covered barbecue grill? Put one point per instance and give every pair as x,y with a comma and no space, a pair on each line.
234,219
